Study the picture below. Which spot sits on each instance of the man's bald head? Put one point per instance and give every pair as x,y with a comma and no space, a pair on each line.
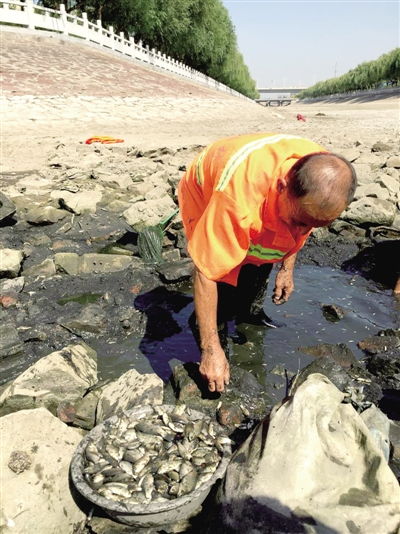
327,180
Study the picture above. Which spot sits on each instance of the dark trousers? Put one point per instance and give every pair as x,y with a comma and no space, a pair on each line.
237,303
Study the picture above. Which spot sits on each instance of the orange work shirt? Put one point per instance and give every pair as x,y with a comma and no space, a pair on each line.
228,202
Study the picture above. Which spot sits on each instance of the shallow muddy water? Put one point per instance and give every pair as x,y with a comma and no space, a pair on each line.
268,352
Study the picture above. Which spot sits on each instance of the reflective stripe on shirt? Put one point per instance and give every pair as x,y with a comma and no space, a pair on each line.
236,159
262,253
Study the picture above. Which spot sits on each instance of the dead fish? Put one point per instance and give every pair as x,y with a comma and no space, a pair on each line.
188,483
148,485
170,465
140,464
92,453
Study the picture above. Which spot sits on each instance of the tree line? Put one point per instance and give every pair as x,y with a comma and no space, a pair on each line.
199,33
382,72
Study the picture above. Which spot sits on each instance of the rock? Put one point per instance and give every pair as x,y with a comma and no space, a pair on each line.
391,184
117,181
10,342
379,426
351,154
171,255
7,208
73,264
118,206
157,193
34,466
393,162
7,301
61,376
12,287
333,312
91,319
243,391
35,185
364,173
130,390
374,190
375,344
176,270
386,367
149,212
82,202
354,378
230,415
10,262
46,268
45,215
340,353
380,146
370,210
310,462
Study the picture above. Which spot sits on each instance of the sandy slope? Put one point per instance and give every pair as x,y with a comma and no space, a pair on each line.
61,91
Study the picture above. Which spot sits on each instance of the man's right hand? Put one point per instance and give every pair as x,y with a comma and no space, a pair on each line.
214,368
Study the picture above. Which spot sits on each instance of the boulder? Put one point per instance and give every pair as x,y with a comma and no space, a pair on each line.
381,146
7,208
73,264
333,312
45,215
81,202
364,173
393,162
173,271
10,342
64,375
312,462
351,154
370,210
12,286
149,212
36,450
130,390
91,319
374,190
10,262
340,353
390,183
46,268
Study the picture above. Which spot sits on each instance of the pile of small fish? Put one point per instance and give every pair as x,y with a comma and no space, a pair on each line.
154,458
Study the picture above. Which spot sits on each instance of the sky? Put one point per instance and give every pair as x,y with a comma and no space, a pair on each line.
299,42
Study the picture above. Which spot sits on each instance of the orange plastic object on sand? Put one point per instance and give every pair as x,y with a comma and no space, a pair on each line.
105,140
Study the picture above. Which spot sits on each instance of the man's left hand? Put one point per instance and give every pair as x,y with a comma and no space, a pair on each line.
284,286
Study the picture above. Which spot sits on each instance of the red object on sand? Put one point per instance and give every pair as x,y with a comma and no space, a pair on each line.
105,140
301,117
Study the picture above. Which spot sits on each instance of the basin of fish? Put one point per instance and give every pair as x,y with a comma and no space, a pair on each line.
149,461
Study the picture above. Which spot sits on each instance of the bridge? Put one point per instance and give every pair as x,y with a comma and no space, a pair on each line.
277,100
280,90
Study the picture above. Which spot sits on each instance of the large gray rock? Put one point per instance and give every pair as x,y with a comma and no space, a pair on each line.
91,319
149,212
46,269
45,215
364,173
130,390
370,210
374,190
61,376
36,449
391,184
12,286
351,154
10,262
73,264
82,202
312,462
10,342
7,208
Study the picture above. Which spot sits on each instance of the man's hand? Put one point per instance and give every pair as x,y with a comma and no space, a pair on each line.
214,368
284,286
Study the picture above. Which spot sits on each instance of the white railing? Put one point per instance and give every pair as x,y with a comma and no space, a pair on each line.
34,17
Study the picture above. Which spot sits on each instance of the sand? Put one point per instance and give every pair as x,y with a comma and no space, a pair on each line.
59,91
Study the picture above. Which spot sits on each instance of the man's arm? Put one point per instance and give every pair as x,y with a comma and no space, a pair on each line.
284,284
214,366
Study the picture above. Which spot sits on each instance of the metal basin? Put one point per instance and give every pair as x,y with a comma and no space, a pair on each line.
151,514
